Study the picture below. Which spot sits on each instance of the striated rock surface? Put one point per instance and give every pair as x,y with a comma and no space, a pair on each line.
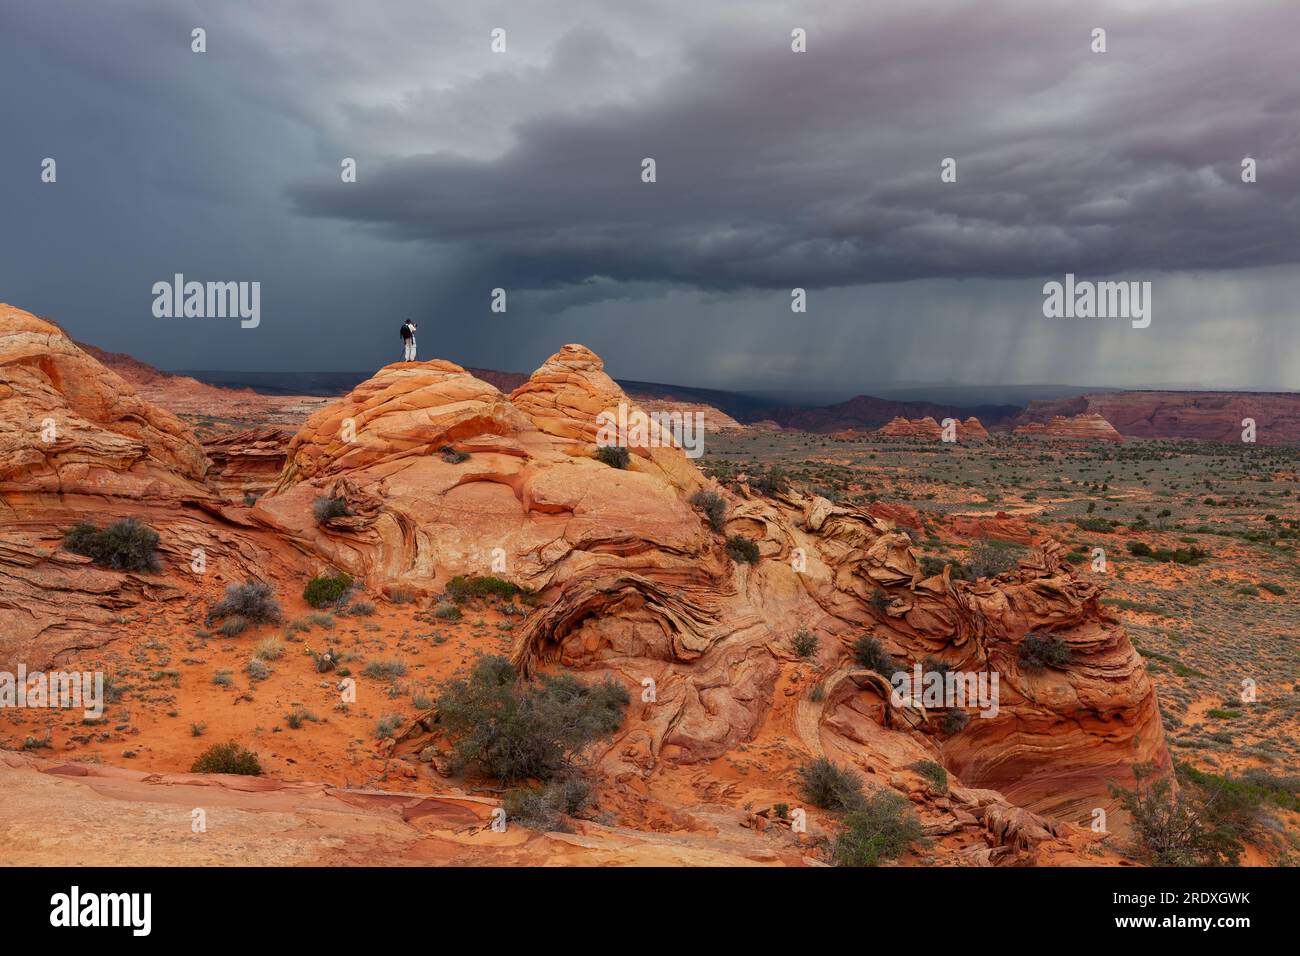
633,583
445,475
969,430
247,462
1088,426
78,443
1215,416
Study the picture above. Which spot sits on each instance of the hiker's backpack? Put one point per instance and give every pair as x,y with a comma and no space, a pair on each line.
405,331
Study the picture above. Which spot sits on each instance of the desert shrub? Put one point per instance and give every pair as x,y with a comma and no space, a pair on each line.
953,721
931,566
1095,525
546,808
384,670
742,549
1039,651
933,773
253,601
296,717
461,588
871,654
227,758
1272,588
326,660
830,786
616,456
512,730
804,644
989,558
446,611
387,725
1139,548
233,626
879,601
222,679
327,590
714,507
271,649
257,670
326,508
770,482
198,728
361,609
453,456
1166,824
883,827
125,545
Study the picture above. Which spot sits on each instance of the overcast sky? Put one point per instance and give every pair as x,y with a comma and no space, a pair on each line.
775,170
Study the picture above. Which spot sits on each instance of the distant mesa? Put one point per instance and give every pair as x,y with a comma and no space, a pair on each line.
1089,425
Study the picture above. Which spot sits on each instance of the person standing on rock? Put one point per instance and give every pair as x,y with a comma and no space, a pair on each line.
408,340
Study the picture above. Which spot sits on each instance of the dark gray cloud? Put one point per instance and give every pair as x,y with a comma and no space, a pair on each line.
822,169
776,170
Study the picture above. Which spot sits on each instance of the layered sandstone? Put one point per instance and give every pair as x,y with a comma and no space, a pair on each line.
927,427
78,443
1211,416
631,581
1088,426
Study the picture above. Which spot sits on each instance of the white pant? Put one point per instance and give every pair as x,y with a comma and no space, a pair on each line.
410,350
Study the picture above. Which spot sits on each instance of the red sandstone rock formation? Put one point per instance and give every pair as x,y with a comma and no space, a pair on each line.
632,583
1215,416
247,462
77,442
1088,426
902,428
969,430
631,580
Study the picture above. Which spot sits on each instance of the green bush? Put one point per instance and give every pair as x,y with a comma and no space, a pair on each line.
933,773
1039,651
512,730
830,786
989,558
871,654
883,827
714,507
616,456
804,644
125,545
1139,548
742,549
461,588
327,590
227,758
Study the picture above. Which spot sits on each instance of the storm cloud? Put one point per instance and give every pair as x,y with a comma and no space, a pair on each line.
775,170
